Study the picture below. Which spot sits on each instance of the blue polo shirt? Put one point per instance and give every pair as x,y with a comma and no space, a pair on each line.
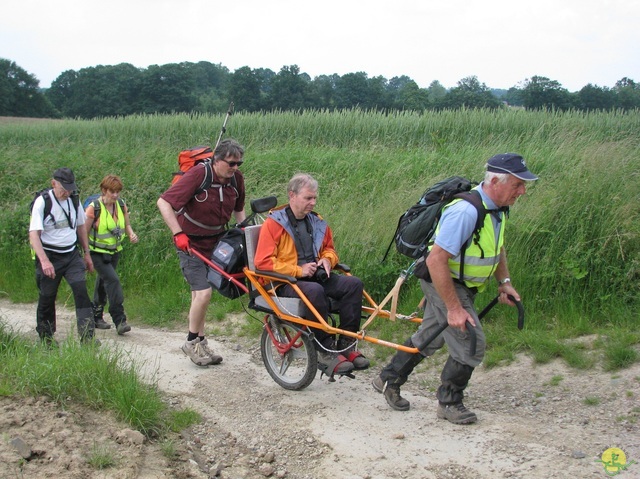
458,221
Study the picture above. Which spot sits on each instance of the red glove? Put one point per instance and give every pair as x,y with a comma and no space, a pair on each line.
181,240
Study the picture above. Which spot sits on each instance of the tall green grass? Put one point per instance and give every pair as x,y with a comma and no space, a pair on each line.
573,241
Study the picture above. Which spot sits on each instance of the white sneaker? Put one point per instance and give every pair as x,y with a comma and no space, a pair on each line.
216,358
195,352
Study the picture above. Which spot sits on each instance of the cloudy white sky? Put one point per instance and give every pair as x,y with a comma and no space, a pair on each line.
502,42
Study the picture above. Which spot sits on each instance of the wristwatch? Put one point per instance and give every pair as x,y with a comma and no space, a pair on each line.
505,280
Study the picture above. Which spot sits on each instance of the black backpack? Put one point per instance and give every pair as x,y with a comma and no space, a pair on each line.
418,224
229,256
45,193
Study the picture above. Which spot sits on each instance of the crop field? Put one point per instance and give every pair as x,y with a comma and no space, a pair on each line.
573,241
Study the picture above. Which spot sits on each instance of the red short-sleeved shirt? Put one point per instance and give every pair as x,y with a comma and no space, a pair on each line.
207,207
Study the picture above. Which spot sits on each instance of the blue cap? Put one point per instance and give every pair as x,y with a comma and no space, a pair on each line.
510,163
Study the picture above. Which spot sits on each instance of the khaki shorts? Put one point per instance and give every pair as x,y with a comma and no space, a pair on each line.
194,272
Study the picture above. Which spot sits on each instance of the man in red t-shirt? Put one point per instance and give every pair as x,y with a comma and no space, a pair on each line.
197,221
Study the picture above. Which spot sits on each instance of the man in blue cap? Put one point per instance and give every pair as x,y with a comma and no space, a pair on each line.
460,264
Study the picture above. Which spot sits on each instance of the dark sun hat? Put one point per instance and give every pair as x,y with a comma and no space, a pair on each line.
511,163
66,177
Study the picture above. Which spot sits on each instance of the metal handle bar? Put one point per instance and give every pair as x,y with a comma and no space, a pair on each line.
518,304
442,327
259,206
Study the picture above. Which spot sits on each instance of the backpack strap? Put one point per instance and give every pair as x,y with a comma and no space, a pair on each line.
207,181
47,204
475,199
393,239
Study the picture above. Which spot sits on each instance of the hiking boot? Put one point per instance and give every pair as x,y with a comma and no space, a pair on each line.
391,394
348,348
456,413
332,363
397,402
101,323
90,341
122,328
378,384
358,360
215,358
196,353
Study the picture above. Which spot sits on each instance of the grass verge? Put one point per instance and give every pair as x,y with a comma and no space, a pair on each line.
99,378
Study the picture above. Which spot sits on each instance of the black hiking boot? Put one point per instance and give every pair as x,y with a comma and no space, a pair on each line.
98,317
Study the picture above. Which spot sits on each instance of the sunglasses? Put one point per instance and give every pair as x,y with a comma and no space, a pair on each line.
233,163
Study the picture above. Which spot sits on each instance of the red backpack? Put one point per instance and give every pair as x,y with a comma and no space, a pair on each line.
191,157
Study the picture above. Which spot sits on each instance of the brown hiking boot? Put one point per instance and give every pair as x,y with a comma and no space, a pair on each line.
456,413
391,394
397,402
122,328
378,384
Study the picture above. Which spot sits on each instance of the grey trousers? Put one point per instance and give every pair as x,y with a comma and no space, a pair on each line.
458,343
460,364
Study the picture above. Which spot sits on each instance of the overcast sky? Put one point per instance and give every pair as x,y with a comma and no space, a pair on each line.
502,42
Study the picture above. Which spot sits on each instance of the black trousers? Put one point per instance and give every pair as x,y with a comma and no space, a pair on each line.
71,267
345,290
108,286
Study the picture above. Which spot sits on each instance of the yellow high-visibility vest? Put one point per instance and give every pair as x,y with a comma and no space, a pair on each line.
110,233
482,256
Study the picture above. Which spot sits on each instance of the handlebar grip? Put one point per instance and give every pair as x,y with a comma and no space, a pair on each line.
520,310
474,338
518,304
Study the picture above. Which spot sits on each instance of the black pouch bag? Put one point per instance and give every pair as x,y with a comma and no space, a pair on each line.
229,256
421,271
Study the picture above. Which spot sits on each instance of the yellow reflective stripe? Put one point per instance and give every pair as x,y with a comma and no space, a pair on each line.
477,261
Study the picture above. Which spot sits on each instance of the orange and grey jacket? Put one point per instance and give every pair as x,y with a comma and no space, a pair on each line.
276,250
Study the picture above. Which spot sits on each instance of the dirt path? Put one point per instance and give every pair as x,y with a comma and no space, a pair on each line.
530,425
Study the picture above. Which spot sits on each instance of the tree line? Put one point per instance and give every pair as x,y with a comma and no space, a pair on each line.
204,87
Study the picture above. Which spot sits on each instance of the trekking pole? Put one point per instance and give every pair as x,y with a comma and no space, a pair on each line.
223,130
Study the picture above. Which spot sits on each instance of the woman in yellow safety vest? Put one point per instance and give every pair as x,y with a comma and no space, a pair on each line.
108,216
